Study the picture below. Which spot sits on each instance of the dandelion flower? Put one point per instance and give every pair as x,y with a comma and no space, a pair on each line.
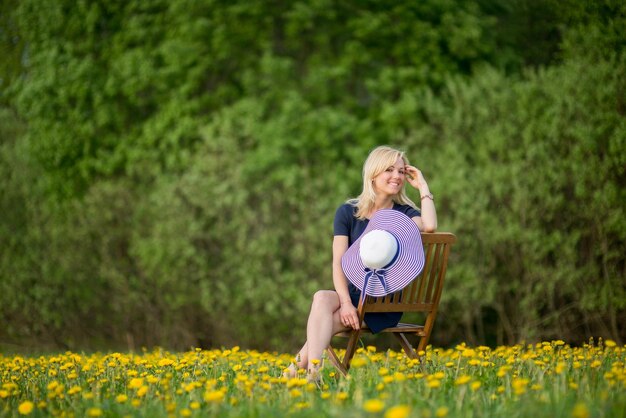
462,380
398,411
373,405
94,412
580,411
26,408
142,391
441,412
135,383
434,384
215,396
358,362
341,396
295,393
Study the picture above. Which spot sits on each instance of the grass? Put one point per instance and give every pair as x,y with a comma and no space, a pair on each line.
549,379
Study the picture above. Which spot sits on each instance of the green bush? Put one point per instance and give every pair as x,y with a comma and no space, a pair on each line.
169,171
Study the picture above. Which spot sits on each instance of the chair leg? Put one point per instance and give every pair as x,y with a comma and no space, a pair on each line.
423,342
351,348
344,365
406,346
334,359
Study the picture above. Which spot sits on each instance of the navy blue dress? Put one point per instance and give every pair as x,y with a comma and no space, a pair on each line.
347,224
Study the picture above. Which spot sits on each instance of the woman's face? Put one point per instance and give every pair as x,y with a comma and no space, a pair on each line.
390,181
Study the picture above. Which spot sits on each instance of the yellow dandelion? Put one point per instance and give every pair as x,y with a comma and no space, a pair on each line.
4,394
580,410
26,408
610,343
74,389
142,391
215,396
94,412
475,385
194,405
165,362
468,353
121,398
373,405
185,412
398,411
461,380
341,396
434,383
519,385
358,362
441,412
135,383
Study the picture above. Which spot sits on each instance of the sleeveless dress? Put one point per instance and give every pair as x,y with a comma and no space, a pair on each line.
347,224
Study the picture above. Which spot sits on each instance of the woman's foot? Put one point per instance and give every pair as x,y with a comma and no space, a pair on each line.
314,375
291,371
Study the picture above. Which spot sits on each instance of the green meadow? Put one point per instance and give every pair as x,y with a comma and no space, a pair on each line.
549,379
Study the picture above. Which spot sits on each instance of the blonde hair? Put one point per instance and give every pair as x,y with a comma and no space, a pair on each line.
380,159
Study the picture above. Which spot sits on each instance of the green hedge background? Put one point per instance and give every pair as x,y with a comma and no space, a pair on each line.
169,170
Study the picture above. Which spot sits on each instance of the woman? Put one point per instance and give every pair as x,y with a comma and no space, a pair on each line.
384,175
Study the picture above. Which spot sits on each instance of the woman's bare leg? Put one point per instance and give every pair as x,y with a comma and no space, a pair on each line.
323,323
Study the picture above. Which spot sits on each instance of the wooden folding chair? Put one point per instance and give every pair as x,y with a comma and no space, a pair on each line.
421,295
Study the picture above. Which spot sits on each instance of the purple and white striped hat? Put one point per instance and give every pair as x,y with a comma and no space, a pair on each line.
387,256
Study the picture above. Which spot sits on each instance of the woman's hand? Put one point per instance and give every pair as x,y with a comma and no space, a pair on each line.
349,316
416,179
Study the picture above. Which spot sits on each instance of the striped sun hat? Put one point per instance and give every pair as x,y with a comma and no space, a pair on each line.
387,256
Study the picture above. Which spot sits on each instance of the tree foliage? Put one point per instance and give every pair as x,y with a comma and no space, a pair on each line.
170,170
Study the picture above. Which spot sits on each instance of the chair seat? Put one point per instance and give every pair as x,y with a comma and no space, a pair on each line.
418,330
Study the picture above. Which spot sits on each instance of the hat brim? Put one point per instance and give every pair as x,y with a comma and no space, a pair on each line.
407,266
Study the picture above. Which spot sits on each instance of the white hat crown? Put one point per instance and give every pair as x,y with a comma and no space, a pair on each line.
378,248
391,260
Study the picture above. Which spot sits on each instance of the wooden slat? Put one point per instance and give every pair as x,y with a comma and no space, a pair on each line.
401,307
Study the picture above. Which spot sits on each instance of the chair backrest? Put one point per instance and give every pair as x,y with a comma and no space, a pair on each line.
423,293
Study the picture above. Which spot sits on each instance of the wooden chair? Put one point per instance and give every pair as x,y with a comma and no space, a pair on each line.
421,295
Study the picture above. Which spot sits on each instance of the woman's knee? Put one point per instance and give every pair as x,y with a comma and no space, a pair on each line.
324,299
